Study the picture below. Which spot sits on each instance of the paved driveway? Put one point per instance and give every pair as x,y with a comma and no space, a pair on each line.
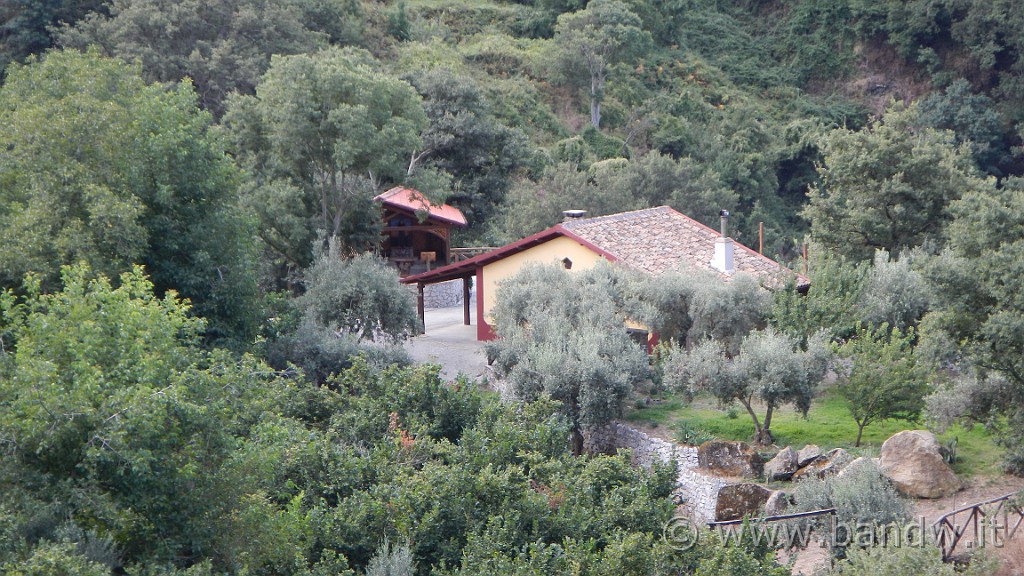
450,343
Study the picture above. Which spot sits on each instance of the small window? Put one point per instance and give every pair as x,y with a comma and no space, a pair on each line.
567,263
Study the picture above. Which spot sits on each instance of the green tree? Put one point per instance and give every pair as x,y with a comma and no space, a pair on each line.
883,379
978,313
604,33
466,141
973,118
224,46
888,186
26,25
103,168
831,303
561,334
323,134
769,367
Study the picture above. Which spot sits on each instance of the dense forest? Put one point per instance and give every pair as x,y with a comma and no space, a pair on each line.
192,380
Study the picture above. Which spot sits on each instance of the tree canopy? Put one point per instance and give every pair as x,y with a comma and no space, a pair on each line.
101,167
323,134
569,344
888,186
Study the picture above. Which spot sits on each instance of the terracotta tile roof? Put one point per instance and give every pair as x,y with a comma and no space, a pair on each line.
414,200
655,240
658,240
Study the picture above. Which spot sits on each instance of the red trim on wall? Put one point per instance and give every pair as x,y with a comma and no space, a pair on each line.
483,329
652,342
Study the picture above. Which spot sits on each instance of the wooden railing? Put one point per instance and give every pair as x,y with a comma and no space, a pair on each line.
460,254
981,522
778,518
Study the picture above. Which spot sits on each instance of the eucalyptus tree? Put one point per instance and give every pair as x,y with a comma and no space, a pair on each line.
592,40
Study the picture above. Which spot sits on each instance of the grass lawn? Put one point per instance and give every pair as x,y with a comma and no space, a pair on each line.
828,424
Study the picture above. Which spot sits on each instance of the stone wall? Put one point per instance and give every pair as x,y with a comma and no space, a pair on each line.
697,489
443,294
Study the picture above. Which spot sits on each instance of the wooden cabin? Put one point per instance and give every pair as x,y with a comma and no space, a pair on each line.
417,234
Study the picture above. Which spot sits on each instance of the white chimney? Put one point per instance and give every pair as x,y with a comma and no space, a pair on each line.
723,260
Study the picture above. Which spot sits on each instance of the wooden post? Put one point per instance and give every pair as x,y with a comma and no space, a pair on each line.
760,237
465,300
419,306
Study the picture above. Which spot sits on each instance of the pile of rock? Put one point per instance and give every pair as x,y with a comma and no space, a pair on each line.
790,464
911,459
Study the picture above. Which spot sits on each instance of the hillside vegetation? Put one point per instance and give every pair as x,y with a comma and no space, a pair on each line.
200,360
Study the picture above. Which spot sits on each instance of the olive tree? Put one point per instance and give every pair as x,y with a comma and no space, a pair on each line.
769,367
562,334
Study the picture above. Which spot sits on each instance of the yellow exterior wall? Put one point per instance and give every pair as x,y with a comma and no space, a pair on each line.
552,251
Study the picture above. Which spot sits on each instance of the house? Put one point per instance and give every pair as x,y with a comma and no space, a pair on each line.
417,234
654,240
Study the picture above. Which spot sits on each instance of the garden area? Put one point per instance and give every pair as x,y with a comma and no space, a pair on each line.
828,424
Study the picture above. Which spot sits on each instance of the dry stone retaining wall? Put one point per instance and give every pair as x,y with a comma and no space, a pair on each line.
698,489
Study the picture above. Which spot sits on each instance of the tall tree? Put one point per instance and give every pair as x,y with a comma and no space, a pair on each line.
467,142
604,33
889,185
103,168
323,133
26,25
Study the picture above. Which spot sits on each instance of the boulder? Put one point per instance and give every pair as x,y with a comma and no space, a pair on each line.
739,500
782,466
825,465
806,455
776,504
912,460
730,459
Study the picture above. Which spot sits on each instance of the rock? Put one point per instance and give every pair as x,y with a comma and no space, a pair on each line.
913,461
782,466
776,504
738,500
807,455
825,465
857,463
730,459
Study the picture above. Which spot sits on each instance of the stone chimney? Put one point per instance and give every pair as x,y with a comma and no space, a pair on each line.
568,215
723,260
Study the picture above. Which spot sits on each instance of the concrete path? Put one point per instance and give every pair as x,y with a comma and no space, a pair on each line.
450,343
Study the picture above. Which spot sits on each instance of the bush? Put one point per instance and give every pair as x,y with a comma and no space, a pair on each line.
898,561
860,495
